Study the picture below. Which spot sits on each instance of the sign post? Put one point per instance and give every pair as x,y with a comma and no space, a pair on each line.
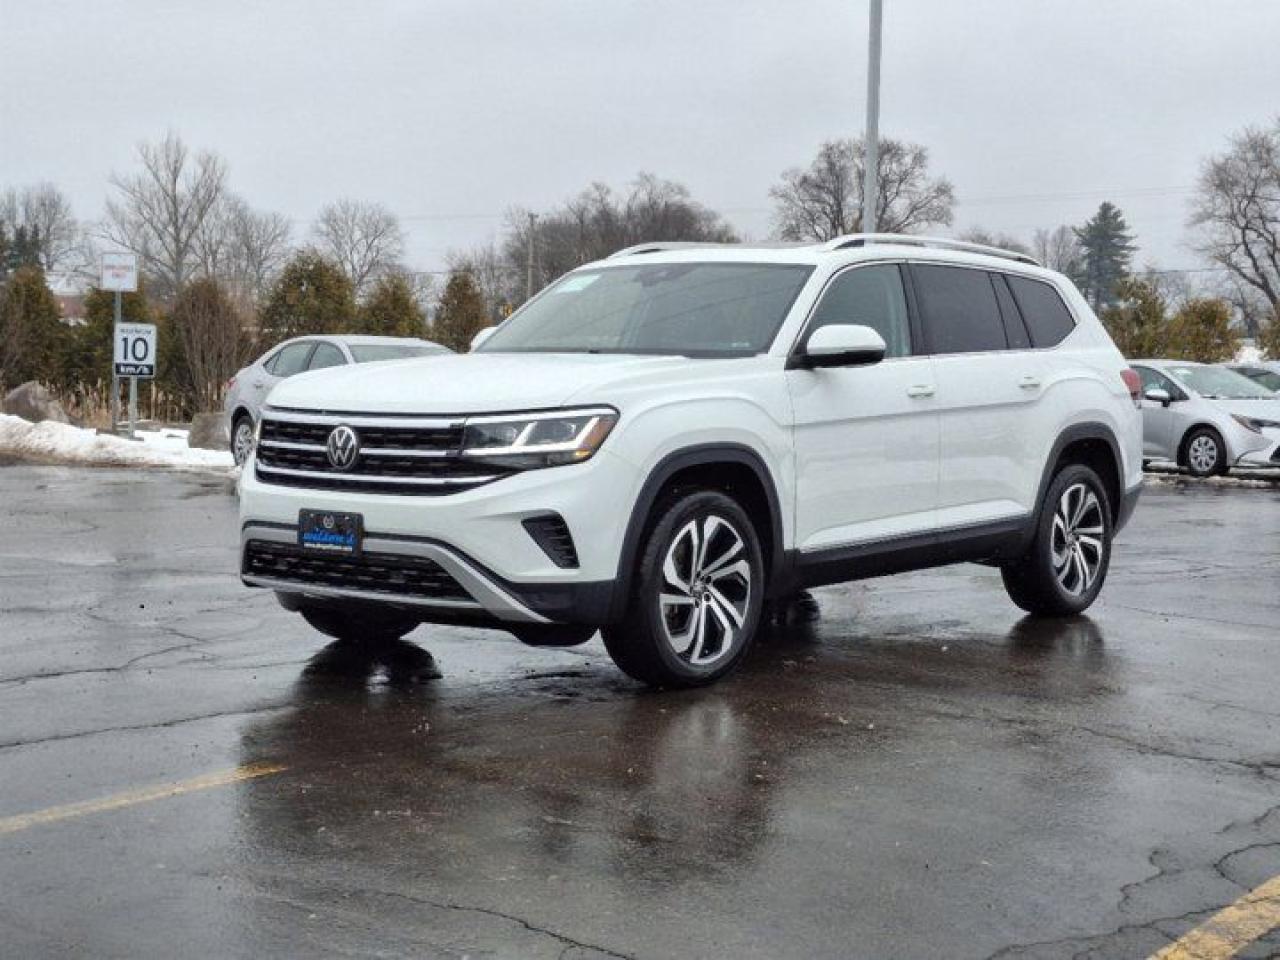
120,274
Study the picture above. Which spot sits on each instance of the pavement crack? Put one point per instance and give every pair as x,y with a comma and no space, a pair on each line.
89,671
158,725
569,942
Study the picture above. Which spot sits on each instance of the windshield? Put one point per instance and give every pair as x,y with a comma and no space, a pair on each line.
369,352
689,309
1219,383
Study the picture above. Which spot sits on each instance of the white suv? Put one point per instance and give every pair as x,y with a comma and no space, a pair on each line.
660,442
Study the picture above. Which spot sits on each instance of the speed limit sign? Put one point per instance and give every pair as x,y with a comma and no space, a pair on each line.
135,350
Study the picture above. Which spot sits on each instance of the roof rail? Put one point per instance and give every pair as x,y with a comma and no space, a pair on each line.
939,243
658,246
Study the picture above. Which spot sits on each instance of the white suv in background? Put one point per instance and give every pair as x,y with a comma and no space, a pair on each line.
661,441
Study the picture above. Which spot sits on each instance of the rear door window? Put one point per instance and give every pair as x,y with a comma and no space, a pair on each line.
292,359
1046,315
959,309
326,355
1014,328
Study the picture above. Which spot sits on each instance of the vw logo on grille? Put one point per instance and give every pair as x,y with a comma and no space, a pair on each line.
343,447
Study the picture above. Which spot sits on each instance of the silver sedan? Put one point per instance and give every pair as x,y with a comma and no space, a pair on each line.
247,390
1207,418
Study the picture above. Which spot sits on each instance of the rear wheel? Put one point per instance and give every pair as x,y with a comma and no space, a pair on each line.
1204,453
241,439
696,594
358,625
1064,568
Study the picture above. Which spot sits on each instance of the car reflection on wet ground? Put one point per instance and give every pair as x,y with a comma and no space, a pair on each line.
915,771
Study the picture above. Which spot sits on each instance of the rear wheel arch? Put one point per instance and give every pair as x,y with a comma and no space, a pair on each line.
731,468
1094,445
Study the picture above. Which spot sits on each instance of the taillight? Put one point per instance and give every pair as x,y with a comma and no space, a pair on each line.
230,385
1134,383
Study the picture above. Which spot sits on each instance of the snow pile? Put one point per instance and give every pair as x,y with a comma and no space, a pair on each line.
63,443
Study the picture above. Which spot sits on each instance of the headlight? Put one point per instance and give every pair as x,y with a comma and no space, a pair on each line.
527,441
1254,424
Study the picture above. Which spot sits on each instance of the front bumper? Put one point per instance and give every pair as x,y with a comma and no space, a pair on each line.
476,536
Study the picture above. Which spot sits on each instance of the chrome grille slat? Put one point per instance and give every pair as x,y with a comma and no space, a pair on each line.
397,455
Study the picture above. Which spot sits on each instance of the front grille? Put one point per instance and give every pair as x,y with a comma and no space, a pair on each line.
418,456
392,574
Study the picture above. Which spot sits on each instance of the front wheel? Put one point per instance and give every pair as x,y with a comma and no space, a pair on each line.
696,595
1206,456
241,440
1063,570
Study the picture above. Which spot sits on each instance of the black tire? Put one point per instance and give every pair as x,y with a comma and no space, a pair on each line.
358,624
552,634
1046,588
730,613
1203,452
239,451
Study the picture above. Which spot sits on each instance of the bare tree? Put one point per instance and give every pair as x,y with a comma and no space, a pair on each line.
242,247
598,222
214,342
160,211
1058,249
825,200
1005,241
45,214
1236,211
364,239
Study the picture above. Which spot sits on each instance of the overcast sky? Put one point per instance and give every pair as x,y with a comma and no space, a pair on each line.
451,111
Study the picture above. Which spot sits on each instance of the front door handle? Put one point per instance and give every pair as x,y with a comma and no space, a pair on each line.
920,390
1029,383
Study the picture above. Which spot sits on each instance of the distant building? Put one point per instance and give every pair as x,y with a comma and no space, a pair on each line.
71,306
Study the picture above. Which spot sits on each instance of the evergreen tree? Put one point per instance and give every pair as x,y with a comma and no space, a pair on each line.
1269,338
31,330
1138,322
1107,248
1201,330
461,314
391,310
312,296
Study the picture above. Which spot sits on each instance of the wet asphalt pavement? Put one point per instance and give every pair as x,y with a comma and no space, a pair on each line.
919,772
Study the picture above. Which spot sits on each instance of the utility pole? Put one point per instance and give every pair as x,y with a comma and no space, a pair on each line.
528,269
871,171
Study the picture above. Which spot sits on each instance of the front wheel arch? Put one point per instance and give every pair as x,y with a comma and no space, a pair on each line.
1185,442
731,468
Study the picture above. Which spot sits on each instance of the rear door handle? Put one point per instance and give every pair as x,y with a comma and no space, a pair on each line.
920,390
1029,383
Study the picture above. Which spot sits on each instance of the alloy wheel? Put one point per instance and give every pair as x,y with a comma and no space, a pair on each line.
1077,540
706,590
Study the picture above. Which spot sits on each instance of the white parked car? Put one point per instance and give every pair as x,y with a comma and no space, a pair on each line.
1207,418
660,441
248,389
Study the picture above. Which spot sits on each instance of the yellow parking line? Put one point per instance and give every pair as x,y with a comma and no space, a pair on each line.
129,798
1231,929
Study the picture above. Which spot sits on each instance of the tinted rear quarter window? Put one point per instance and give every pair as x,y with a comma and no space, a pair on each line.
959,308
1046,315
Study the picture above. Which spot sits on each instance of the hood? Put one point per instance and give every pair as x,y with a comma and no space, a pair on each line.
462,383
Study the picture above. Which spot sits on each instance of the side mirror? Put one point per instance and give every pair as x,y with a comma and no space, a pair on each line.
840,345
1158,395
481,337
